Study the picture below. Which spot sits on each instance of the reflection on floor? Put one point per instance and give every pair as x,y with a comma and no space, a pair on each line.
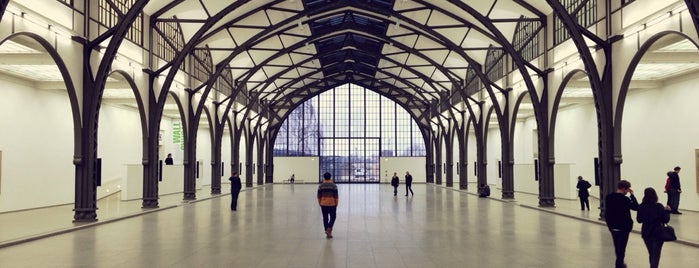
279,226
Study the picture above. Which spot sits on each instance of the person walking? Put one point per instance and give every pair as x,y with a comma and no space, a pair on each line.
618,217
408,183
674,191
328,200
236,186
584,193
394,183
652,215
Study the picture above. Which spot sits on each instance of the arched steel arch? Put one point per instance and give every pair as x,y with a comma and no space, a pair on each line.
330,86
556,102
67,79
626,82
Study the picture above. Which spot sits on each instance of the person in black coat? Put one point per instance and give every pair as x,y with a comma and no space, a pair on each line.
236,186
583,193
674,191
483,190
618,218
408,183
168,160
652,215
394,183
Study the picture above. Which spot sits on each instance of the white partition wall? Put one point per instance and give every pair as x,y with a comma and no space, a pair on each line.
173,181
524,180
414,165
304,168
307,170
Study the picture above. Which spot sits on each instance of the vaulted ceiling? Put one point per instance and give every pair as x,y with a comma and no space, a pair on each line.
283,52
287,51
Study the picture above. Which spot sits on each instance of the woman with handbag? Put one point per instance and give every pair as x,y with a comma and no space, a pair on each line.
652,216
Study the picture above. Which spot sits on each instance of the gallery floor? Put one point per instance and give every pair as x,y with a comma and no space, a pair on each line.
280,226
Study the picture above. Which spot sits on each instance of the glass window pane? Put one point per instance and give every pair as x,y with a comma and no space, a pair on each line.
349,127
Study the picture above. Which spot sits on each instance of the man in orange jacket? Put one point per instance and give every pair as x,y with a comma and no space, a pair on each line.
328,200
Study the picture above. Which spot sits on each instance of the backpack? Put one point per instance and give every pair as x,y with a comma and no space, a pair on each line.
667,184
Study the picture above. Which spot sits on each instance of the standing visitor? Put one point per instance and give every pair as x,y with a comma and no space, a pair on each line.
618,217
652,216
674,191
168,160
236,186
394,183
584,193
328,200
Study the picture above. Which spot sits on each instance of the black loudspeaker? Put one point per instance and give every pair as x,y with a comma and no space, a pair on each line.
160,170
457,168
197,169
499,169
597,178
98,172
536,169
475,168
223,168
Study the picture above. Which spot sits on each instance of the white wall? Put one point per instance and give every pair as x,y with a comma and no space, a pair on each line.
494,150
471,175
305,169
414,165
524,146
204,154
172,182
576,144
660,131
243,159
119,144
226,156
455,168
36,140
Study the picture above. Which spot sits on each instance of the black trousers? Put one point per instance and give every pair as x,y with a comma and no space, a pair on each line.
409,187
395,190
654,247
673,199
584,202
620,238
329,215
234,200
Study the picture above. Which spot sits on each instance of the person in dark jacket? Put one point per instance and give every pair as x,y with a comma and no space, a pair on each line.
168,160
408,183
583,193
236,186
652,215
674,191
394,183
483,190
618,218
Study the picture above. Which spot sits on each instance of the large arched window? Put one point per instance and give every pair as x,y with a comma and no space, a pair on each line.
349,128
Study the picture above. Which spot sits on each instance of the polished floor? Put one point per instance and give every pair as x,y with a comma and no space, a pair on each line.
279,226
